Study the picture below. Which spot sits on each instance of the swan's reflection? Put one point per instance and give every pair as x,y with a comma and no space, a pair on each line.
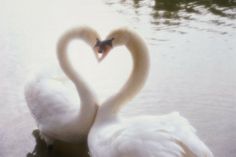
60,149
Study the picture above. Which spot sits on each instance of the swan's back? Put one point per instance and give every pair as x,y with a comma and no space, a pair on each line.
49,99
148,136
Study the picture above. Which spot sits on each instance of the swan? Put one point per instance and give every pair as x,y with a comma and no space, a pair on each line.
168,135
59,116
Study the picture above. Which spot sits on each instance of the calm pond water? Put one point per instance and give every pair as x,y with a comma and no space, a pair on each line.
193,54
193,64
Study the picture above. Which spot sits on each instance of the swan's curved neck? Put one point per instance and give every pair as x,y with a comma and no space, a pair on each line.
85,93
136,80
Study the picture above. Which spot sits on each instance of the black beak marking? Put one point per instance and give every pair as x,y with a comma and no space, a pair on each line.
97,43
102,44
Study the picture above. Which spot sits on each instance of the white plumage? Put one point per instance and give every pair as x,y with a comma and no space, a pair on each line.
59,113
148,136
168,135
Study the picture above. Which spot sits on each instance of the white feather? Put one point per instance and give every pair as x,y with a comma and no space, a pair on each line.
143,136
63,109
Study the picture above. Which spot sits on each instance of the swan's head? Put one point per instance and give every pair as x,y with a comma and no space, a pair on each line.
117,37
103,48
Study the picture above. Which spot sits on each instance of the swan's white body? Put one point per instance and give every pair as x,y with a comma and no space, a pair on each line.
169,135
55,104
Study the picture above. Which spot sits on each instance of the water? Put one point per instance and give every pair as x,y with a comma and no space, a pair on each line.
193,64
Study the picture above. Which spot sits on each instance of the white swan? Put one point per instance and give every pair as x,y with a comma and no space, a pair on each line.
169,135
58,115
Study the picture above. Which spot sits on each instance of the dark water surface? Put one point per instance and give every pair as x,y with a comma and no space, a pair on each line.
193,64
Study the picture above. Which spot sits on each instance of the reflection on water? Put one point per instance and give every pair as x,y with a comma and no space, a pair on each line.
172,9
60,149
40,147
178,12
